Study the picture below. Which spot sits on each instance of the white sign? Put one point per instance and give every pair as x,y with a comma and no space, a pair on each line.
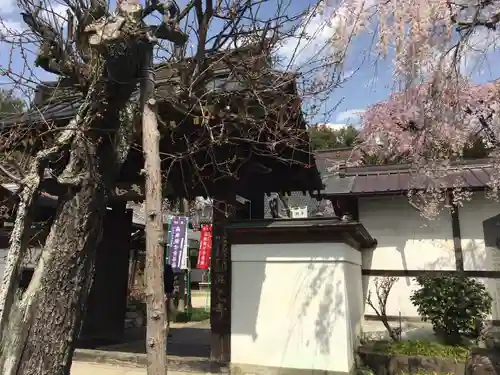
298,212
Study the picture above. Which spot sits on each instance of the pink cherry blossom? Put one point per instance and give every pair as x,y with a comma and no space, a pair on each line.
418,123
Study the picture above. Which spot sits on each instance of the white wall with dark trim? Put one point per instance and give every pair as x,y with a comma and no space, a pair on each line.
476,255
407,241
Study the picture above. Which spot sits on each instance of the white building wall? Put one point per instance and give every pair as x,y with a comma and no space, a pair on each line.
3,258
295,306
477,256
472,214
406,241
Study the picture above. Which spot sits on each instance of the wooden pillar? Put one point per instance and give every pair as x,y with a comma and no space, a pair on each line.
457,236
107,304
220,282
220,274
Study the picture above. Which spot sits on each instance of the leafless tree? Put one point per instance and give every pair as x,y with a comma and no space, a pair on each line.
99,56
383,287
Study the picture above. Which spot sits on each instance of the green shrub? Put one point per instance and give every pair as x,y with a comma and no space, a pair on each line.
421,348
455,305
195,315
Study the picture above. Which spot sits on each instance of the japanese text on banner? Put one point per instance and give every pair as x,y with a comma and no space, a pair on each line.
177,242
205,246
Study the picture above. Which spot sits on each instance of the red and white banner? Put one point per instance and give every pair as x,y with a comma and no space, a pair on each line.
205,246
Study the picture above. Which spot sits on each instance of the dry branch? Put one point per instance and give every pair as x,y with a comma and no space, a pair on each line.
383,286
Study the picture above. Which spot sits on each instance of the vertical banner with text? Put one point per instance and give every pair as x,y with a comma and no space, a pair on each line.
177,242
205,246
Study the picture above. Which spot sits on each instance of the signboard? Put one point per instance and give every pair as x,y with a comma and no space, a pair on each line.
298,212
177,243
205,247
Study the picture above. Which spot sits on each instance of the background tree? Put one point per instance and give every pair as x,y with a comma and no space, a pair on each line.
324,137
98,55
436,110
10,105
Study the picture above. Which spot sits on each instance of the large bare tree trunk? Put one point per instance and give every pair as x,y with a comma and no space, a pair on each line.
42,329
155,297
55,300
21,230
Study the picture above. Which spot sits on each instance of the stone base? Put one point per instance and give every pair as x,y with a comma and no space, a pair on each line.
483,362
220,347
244,369
389,364
135,316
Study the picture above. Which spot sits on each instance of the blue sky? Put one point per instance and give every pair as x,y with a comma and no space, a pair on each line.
367,78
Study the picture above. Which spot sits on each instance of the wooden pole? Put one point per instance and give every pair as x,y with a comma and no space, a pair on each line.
156,343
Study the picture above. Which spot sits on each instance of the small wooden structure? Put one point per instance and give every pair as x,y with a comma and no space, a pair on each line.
261,162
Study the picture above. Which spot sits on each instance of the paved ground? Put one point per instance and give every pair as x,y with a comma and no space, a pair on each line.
188,350
86,368
199,299
188,340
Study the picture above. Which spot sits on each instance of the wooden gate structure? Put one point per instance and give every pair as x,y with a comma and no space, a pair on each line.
259,168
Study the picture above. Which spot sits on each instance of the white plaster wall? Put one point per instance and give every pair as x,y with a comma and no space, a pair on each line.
3,258
472,215
476,255
405,241
355,301
296,305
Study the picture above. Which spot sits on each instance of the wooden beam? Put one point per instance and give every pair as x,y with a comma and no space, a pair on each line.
457,236
220,304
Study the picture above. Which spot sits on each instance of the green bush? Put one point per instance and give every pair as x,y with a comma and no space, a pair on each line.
455,305
421,348
195,315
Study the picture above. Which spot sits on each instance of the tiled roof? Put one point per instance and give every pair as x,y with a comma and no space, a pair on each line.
61,109
327,159
474,174
62,102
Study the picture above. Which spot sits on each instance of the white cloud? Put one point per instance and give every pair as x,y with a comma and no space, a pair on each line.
54,13
331,125
8,28
11,27
325,30
348,74
7,6
351,115
309,38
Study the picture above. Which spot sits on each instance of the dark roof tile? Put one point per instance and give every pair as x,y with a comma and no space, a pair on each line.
401,178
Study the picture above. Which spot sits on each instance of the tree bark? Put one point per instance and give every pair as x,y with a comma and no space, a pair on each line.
20,232
55,300
155,296
44,325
